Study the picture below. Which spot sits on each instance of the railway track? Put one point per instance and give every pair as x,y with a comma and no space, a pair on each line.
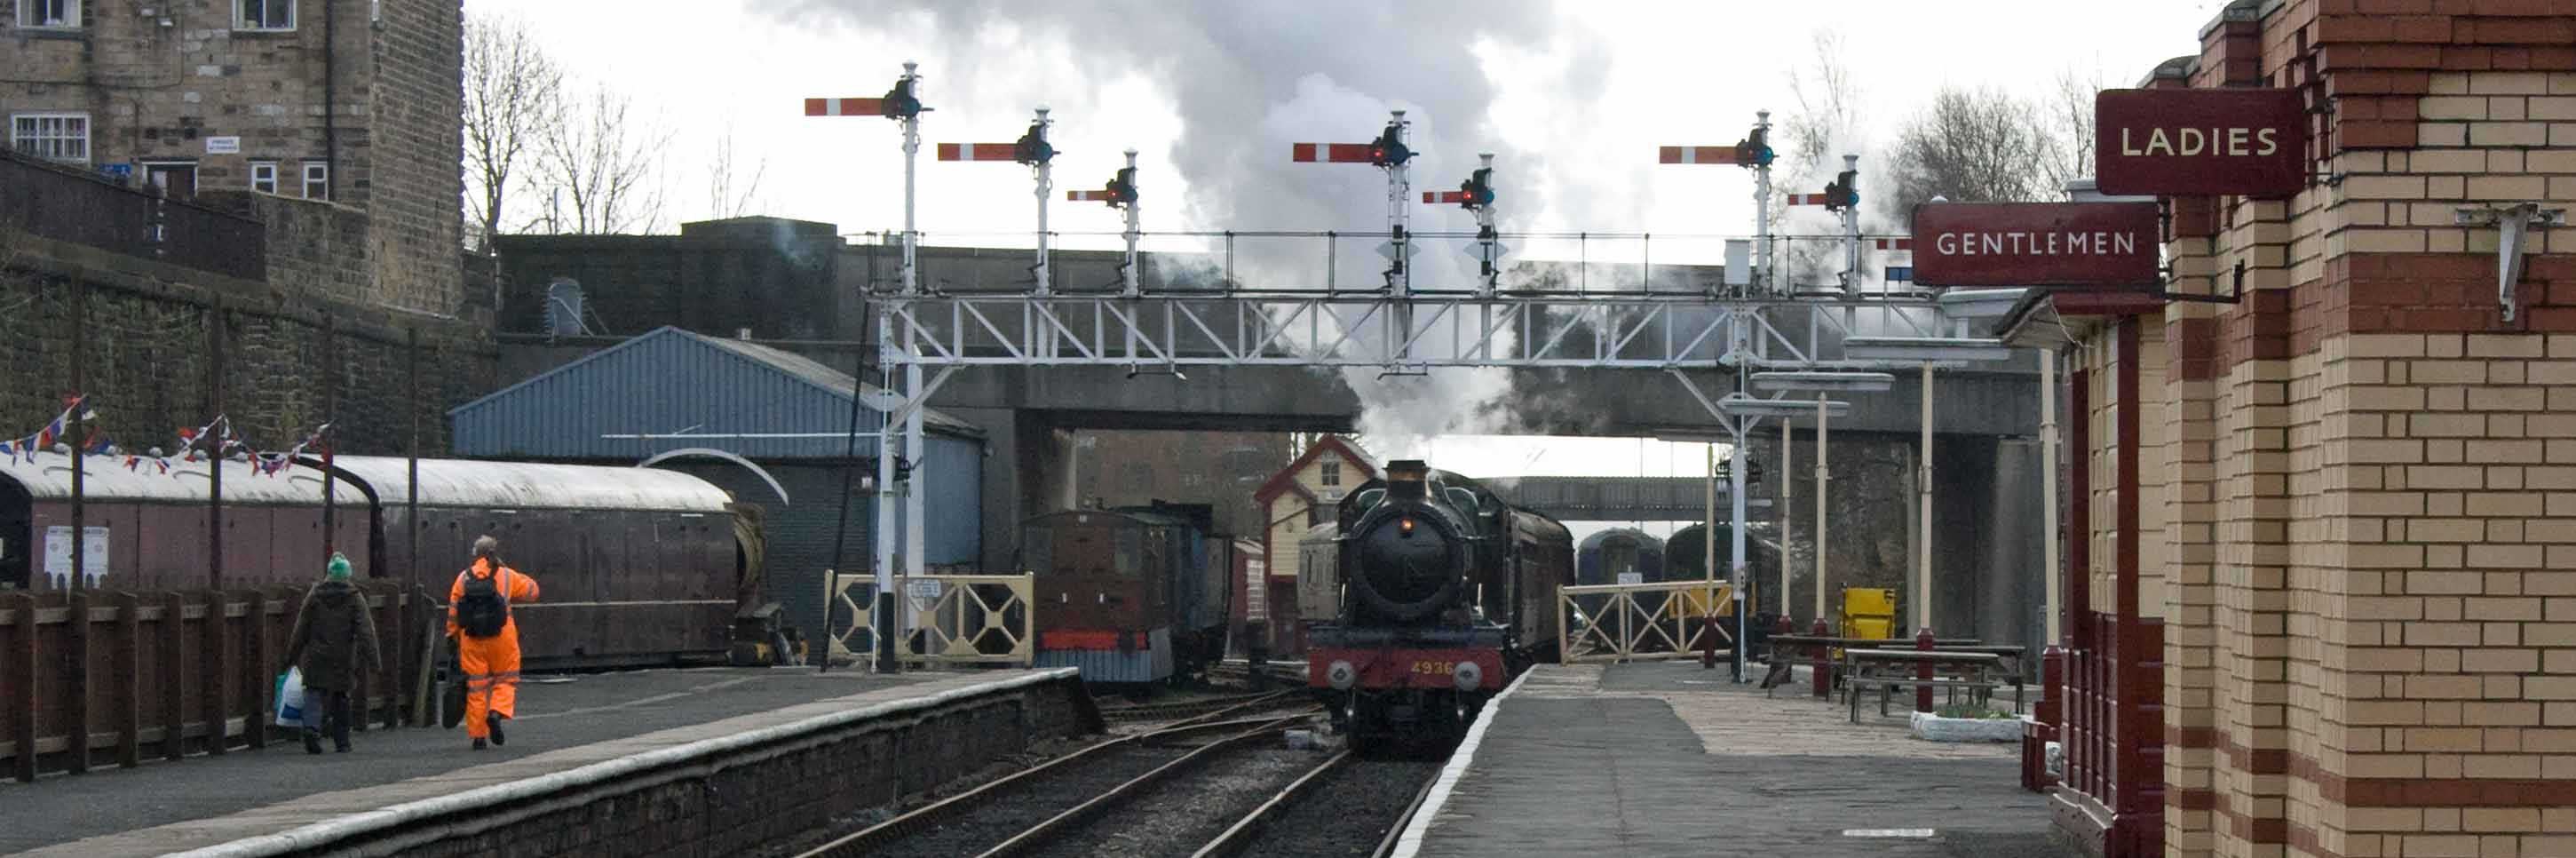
1210,787
1189,708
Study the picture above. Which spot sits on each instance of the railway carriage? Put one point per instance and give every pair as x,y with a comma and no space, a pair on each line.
1131,595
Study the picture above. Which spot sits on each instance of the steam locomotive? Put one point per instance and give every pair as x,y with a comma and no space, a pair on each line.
1446,593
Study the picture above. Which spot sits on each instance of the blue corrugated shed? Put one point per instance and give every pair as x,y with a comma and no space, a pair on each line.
671,381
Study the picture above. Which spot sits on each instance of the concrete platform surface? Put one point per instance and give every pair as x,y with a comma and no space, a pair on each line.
563,722
1667,759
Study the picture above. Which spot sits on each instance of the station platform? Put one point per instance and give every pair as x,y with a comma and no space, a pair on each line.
563,723
1664,758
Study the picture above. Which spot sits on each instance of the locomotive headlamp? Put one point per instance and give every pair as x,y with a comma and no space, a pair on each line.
1405,524
1342,675
1467,675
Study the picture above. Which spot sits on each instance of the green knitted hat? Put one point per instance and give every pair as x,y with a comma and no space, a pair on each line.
339,568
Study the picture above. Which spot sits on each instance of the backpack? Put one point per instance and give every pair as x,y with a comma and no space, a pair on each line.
482,610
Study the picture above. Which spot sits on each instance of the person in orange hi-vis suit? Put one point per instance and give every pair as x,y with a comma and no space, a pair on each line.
487,638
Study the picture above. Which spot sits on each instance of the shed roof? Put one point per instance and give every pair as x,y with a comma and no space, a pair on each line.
48,476
675,382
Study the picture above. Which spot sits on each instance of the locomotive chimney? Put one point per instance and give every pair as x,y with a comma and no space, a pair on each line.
1405,478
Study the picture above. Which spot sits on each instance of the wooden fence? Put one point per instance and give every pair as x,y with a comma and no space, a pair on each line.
95,677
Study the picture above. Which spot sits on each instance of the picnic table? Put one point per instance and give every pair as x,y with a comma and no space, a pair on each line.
1889,669
1819,645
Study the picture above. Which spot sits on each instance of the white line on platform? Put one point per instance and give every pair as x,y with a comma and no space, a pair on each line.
1887,832
1411,843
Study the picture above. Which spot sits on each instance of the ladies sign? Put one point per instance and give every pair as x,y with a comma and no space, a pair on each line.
2186,142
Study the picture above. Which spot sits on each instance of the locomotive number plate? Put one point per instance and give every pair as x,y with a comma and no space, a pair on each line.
1433,668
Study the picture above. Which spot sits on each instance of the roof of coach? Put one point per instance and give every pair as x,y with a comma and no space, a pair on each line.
530,485
1084,516
48,476
1644,539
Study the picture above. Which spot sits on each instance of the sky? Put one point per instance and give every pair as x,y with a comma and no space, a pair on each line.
1572,97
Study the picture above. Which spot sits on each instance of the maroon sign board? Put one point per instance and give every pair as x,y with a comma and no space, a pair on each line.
2187,142
2083,245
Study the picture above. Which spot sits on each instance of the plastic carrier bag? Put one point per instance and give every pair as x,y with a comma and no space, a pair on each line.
290,698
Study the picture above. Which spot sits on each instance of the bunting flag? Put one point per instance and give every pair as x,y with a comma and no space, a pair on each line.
74,407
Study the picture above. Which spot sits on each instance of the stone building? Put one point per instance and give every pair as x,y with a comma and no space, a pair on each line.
238,207
2321,549
338,114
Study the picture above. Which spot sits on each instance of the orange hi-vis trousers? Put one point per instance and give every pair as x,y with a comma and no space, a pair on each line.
491,677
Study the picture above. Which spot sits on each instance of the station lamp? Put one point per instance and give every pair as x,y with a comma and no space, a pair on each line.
1739,405
1864,382
1925,349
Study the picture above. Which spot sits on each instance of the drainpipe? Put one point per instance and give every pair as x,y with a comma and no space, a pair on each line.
331,101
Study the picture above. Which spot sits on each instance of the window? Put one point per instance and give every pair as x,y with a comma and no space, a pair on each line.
317,180
263,176
52,136
1332,473
175,179
49,13
264,14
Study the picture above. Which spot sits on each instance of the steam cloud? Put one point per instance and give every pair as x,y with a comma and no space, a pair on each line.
1246,81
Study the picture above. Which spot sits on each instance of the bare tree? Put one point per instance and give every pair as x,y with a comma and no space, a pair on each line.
513,96
1828,109
1970,145
1822,125
603,162
729,192
2069,124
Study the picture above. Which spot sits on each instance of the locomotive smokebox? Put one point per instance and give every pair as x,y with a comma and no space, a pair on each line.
1406,479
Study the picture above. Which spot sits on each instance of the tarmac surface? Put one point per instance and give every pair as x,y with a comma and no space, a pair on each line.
1663,758
556,713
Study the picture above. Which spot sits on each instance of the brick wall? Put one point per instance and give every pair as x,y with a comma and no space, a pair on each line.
2370,524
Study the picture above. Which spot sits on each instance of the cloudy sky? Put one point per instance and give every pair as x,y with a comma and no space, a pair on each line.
1573,97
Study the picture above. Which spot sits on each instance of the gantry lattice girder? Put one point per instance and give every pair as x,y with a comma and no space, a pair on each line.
1314,329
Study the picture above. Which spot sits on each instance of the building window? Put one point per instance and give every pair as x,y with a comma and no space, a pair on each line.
1332,473
264,15
52,136
175,179
263,176
317,180
49,13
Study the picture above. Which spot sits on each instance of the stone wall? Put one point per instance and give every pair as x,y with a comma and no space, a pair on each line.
154,331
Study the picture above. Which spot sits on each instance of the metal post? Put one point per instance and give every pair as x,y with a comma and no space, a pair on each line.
330,404
1046,186
911,155
220,427
1492,267
1851,236
1134,231
885,535
1821,478
1735,526
2048,478
1762,213
1788,490
79,431
1399,184
915,493
1708,572
1923,511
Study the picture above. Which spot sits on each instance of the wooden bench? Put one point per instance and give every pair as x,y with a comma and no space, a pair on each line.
1889,669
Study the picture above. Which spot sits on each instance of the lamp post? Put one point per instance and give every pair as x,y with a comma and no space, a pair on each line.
1927,350
1855,382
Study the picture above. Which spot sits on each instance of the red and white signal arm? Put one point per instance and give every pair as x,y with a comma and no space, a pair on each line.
845,107
978,152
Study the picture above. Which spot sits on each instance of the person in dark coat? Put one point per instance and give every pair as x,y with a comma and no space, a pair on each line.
334,638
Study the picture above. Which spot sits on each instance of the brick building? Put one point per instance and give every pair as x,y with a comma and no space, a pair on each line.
2321,552
338,115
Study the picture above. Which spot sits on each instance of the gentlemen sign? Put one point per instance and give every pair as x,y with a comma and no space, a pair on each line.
2184,142
2096,245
